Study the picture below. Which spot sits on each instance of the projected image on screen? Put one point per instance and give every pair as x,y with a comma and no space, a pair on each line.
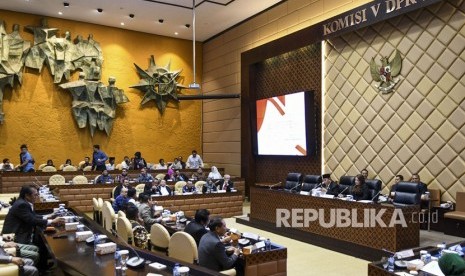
281,125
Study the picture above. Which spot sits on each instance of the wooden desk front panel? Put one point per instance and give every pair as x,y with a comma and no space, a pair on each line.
264,202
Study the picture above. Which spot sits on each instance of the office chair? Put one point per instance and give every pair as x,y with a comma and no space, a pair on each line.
374,186
345,182
292,181
310,182
407,193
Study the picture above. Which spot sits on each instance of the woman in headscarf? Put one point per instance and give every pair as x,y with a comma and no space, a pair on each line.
214,174
452,265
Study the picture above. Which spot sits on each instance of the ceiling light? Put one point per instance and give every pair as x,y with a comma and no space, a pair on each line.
176,33
193,85
60,13
187,25
100,10
122,23
66,4
161,20
131,15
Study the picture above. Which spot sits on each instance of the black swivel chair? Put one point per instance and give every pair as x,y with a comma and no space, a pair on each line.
407,193
374,186
310,182
293,181
345,182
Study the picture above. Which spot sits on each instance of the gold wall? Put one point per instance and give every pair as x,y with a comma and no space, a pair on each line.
420,127
39,113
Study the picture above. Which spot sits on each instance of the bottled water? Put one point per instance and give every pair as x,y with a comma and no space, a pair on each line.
391,264
267,244
176,270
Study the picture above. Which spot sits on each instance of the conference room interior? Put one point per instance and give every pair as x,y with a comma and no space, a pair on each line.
292,47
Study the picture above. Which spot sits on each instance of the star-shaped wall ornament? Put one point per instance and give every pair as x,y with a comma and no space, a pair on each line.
158,84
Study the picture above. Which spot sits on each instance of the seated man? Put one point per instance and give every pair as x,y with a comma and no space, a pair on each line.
416,179
180,176
122,177
197,228
120,186
161,165
398,179
199,175
121,200
6,165
146,211
25,264
104,178
331,187
452,264
111,164
209,186
21,218
126,164
225,183
151,188
212,252
144,177
189,188
86,163
28,251
364,172
163,189
132,193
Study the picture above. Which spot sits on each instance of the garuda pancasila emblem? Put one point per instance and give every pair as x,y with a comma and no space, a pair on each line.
386,74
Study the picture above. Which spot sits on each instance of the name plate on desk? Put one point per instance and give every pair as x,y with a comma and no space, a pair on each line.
106,248
327,196
304,193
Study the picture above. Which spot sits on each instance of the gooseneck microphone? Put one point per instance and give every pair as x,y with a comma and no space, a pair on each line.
295,187
376,195
342,191
274,185
134,262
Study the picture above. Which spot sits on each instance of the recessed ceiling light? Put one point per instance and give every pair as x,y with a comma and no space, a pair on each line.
60,13
122,23
100,10
161,20
176,33
66,4
131,15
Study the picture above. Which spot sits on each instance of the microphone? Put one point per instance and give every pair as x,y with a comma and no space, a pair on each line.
134,262
317,186
342,191
274,185
376,195
295,187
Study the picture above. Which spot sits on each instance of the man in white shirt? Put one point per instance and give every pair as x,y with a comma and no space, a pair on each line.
194,161
161,165
163,189
126,163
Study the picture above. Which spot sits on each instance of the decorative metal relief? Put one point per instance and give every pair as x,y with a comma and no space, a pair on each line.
13,50
158,84
94,103
386,74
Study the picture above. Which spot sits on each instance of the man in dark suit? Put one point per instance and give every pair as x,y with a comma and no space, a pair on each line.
197,228
225,183
163,189
331,187
21,219
212,252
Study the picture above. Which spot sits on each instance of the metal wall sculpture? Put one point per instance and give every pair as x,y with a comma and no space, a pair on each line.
386,73
158,84
95,103
13,49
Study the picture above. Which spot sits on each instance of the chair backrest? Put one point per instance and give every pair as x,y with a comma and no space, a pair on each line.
159,236
87,169
56,179
178,186
182,247
100,202
80,179
69,168
108,215
81,163
140,188
95,204
345,182
199,186
49,169
407,193
292,180
41,166
118,167
160,176
61,167
124,229
113,192
460,201
435,197
374,186
121,214
310,182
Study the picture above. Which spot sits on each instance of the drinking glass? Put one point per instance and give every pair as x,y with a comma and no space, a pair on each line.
124,258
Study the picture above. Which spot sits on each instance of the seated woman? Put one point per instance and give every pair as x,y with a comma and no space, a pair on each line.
359,191
67,163
170,175
50,163
215,174
139,233
209,186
